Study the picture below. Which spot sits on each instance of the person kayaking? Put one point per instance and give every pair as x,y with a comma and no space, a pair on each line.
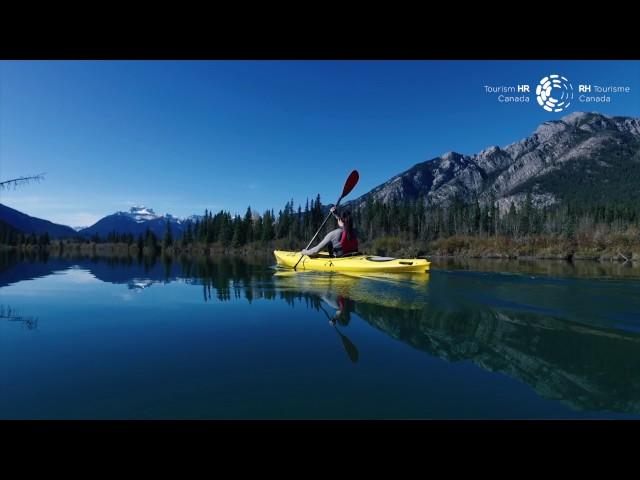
341,241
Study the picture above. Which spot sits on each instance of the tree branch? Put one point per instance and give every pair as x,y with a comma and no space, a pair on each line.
21,180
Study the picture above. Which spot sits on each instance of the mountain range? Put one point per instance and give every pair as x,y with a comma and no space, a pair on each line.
27,224
136,221
583,157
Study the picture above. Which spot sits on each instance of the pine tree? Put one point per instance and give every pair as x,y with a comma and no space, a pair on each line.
226,229
151,242
140,244
187,238
306,223
477,217
525,217
238,238
316,214
298,223
267,228
167,240
248,225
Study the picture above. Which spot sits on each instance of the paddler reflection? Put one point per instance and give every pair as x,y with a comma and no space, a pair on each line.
342,316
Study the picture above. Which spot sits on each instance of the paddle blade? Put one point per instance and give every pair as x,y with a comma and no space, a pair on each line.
350,183
349,347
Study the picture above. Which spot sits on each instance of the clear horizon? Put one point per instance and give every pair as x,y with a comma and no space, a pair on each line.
184,136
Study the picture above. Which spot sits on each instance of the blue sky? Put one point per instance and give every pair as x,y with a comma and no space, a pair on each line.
182,136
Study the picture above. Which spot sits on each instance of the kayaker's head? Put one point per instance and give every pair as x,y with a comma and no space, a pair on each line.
344,222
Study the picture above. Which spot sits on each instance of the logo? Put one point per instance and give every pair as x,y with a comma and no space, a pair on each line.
554,93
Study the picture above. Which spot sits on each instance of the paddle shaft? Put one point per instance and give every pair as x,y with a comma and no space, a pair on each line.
320,229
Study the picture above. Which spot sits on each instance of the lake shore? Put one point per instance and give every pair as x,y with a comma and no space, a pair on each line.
538,248
528,265
619,249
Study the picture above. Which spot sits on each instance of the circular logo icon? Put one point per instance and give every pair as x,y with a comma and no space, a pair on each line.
554,93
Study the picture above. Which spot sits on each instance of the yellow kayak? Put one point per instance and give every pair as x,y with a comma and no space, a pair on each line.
359,263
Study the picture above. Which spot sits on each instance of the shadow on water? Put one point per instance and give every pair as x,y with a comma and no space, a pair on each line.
575,340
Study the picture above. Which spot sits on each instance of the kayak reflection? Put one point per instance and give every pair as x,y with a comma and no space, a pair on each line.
343,291
403,291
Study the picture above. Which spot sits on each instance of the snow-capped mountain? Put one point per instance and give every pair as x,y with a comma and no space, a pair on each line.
136,221
140,214
140,283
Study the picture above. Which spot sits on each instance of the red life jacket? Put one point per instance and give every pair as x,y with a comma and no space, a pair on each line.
348,246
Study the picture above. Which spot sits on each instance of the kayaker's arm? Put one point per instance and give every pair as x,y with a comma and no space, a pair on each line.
333,212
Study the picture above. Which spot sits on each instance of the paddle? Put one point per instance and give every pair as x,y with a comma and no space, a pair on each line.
348,186
348,345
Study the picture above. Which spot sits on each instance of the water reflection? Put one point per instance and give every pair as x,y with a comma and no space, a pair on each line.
558,268
341,307
589,367
572,340
12,315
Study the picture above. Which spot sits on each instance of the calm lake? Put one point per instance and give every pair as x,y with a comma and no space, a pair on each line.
154,339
